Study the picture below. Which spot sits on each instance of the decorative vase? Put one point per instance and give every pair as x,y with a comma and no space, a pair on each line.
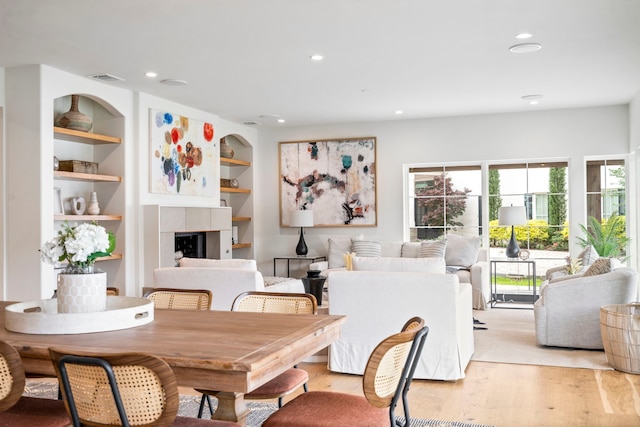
225,150
94,207
82,293
78,205
314,284
74,119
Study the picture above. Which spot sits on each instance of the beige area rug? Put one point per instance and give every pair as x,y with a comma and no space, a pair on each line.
511,338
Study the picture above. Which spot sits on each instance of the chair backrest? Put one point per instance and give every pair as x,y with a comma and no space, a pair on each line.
116,389
113,291
11,376
391,366
275,302
180,299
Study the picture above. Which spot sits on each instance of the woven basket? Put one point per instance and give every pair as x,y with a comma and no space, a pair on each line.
620,328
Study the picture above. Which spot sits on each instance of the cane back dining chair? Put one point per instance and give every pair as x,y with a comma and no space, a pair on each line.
386,380
18,410
180,299
272,302
125,389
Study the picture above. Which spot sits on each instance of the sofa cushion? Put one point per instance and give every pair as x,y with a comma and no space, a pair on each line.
433,249
410,250
391,249
242,264
599,266
419,265
337,247
462,251
366,248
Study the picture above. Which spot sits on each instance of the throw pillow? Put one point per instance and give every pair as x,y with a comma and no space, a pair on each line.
366,248
410,250
337,247
417,265
433,249
588,256
599,266
348,260
462,251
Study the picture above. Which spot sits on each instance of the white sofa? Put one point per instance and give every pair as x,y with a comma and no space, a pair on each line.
463,257
226,279
378,303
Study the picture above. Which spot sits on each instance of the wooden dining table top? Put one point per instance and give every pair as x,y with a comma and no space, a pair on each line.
220,350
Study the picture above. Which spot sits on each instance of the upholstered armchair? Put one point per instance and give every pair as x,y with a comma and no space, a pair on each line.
567,314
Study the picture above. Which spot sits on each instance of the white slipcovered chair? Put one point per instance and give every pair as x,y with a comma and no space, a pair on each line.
567,314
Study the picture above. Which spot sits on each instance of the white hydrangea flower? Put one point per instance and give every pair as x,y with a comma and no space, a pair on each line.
78,245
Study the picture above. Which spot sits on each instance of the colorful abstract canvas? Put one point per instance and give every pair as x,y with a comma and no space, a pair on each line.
184,155
334,178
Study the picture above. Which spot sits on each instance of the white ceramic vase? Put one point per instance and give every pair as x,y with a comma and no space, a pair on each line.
82,293
94,207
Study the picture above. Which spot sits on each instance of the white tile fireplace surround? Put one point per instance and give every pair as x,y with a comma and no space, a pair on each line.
163,222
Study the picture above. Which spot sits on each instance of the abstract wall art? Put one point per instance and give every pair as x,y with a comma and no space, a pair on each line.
184,155
335,178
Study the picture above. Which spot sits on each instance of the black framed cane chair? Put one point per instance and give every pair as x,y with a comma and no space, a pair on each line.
386,381
272,302
125,389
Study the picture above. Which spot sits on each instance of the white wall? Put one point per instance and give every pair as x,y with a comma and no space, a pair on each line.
570,134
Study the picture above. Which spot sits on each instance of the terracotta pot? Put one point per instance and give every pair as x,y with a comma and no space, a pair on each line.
74,119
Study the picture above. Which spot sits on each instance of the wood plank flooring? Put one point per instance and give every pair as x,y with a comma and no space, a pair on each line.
508,395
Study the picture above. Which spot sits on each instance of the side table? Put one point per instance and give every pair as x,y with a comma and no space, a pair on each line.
514,295
309,259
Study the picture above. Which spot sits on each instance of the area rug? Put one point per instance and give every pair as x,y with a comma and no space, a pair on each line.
258,412
510,338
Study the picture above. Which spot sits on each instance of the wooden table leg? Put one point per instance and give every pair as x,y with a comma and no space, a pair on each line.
231,407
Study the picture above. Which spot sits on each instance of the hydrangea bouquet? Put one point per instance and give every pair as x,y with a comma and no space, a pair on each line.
80,246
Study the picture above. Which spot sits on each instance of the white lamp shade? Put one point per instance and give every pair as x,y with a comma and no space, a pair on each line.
301,219
512,215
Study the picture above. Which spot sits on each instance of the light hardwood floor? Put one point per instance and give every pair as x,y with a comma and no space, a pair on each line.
508,395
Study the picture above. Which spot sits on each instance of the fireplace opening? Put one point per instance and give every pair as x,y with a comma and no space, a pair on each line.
192,245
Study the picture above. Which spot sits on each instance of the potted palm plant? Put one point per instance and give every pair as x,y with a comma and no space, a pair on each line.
607,236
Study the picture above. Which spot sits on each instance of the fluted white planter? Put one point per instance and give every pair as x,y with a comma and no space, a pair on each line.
82,293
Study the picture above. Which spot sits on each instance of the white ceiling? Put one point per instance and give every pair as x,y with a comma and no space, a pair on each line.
428,58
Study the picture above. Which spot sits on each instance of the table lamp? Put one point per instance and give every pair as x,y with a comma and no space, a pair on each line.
301,218
512,215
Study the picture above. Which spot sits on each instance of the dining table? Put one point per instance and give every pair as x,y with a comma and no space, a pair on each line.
231,352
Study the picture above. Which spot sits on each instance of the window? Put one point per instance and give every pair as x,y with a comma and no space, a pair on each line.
606,194
444,200
542,189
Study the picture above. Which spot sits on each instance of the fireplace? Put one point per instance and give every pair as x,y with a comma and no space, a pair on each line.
191,244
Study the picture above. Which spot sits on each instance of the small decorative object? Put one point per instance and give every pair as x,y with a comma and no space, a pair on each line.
80,166
234,234
74,119
314,284
225,150
56,163
524,254
94,207
234,183
58,207
80,288
78,205
223,203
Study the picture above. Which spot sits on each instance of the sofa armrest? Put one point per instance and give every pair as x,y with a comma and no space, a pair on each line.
320,265
481,285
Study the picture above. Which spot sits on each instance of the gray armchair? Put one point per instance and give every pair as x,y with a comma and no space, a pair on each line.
567,314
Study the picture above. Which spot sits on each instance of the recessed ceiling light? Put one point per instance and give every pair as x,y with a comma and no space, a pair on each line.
524,35
151,74
281,120
316,57
532,99
173,82
398,112
525,47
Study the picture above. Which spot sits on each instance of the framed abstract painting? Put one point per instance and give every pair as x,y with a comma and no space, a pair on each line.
335,178
184,155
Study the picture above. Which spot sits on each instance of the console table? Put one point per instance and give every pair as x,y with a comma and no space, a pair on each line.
310,259
513,297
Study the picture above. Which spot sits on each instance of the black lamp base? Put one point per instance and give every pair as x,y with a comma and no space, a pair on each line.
301,249
512,250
